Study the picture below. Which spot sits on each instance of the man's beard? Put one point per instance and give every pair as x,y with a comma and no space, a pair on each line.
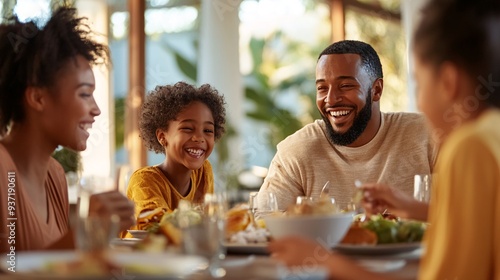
358,126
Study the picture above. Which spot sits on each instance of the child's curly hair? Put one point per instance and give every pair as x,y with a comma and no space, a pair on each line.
164,103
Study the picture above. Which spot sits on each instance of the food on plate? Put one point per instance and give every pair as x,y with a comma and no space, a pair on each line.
167,225
152,243
358,235
411,231
242,229
173,233
387,229
389,216
237,219
147,219
87,265
320,206
250,235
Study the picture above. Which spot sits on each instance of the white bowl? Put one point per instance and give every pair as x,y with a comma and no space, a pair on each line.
141,234
325,229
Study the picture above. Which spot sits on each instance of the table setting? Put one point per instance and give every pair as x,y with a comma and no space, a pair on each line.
209,241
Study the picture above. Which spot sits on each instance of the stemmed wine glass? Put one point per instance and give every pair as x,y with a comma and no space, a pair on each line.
422,187
268,206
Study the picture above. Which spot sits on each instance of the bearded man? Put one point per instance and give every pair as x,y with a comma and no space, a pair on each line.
354,140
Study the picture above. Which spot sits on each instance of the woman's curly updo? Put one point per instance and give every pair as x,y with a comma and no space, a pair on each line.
32,56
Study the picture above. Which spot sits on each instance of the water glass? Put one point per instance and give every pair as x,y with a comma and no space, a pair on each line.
94,233
206,238
267,206
422,187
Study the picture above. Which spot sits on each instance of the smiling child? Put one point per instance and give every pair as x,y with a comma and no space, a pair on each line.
183,122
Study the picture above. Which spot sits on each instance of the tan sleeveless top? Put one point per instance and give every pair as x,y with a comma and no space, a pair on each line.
22,228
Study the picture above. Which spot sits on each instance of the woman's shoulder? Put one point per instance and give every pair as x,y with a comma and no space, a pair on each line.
56,173
6,163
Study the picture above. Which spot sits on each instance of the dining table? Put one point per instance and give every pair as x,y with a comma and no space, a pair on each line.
240,262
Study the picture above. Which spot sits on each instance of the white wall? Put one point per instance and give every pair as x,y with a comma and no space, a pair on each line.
98,158
410,13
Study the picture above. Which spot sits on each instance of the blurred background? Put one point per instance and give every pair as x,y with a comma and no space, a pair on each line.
261,54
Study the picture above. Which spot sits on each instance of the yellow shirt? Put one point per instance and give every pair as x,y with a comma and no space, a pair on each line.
149,189
463,239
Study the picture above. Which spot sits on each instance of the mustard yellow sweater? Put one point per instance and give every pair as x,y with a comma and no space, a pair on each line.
463,239
149,189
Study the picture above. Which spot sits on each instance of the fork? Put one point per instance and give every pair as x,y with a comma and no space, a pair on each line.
325,192
358,196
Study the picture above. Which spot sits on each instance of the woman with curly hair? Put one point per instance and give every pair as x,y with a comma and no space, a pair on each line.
46,100
183,122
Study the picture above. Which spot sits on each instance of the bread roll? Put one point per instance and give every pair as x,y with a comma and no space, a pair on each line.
237,219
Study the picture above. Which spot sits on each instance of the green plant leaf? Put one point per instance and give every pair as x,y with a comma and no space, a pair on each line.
186,67
69,159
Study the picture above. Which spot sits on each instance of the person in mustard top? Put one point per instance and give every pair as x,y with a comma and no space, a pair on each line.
457,69
183,122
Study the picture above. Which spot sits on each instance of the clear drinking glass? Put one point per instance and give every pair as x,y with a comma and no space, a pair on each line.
252,206
422,187
206,238
268,206
92,233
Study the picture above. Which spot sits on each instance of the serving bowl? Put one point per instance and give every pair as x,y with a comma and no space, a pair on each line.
327,229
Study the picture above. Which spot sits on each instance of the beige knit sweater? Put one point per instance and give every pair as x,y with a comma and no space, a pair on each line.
306,160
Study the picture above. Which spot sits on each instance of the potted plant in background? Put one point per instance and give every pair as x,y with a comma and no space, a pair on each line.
71,163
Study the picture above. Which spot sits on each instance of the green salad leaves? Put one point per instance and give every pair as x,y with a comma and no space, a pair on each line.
392,231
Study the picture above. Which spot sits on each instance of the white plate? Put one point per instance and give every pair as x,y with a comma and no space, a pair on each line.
382,249
128,242
382,265
156,265
136,233
253,248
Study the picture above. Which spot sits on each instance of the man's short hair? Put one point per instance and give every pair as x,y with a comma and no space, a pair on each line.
369,57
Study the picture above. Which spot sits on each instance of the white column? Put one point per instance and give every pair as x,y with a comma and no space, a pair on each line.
218,65
98,158
410,16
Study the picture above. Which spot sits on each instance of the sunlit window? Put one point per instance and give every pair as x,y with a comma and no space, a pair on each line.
29,9
266,16
158,3
176,19
387,38
119,24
